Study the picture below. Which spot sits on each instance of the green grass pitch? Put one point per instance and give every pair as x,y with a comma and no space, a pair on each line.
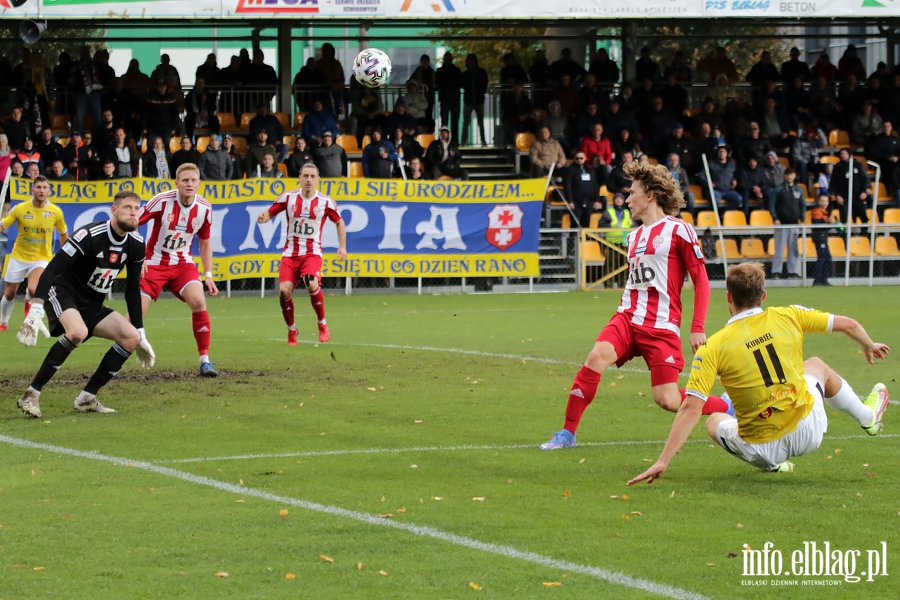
449,400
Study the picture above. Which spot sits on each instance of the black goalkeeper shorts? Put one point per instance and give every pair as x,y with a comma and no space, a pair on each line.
59,300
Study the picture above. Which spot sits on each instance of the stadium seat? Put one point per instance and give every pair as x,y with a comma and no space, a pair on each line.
731,249
807,219
687,217
524,141
289,140
734,218
886,246
595,220
283,119
538,115
367,139
298,119
860,246
552,197
64,142
869,214
202,143
144,146
786,161
761,218
59,122
226,121
245,120
806,193
706,218
356,168
592,252
240,144
697,191
882,192
752,248
653,161
829,159
892,215
425,140
811,251
566,222
174,144
347,142
836,246
835,216
770,247
839,139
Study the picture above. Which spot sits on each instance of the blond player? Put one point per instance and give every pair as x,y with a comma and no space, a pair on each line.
34,244
301,261
779,400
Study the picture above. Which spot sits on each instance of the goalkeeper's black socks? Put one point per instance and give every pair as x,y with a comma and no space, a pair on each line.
58,354
109,367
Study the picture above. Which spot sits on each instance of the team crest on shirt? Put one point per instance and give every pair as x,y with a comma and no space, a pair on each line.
171,218
657,242
113,258
504,226
195,224
47,214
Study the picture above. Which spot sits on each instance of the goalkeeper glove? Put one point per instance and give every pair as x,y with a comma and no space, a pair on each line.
145,356
33,324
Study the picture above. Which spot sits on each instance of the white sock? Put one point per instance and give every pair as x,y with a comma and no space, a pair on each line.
323,322
204,359
84,396
849,403
292,328
31,389
6,309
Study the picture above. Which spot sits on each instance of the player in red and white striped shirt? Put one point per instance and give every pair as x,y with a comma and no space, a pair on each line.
660,253
306,210
175,217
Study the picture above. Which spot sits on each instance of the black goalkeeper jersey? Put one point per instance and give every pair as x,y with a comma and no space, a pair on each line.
89,262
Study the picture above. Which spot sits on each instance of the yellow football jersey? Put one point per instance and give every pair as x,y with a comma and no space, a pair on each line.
34,240
759,358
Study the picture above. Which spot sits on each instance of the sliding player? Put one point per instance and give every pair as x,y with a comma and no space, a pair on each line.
175,217
779,399
648,322
34,244
301,260
73,288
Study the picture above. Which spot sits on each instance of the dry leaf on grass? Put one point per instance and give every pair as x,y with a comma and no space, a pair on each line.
636,512
413,466
327,559
371,389
417,421
283,513
552,584
474,586
359,566
40,568
710,564
581,462
383,573
672,495
401,510
647,460
238,501
222,574
626,517
477,499
290,576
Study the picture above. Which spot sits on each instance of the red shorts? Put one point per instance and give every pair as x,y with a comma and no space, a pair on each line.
660,348
176,277
294,268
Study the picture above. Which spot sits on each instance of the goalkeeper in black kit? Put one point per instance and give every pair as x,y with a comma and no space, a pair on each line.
71,293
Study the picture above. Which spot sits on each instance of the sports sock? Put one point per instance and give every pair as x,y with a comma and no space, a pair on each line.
584,388
317,299
713,405
201,328
849,403
6,309
109,367
287,310
57,355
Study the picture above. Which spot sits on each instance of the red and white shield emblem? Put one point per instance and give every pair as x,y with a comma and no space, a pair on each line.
113,258
504,226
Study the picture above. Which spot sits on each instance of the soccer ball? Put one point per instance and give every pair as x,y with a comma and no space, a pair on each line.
372,68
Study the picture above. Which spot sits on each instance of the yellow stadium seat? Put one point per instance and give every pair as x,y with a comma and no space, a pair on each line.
882,192
592,252
524,141
283,168
283,119
860,246
706,218
538,115
807,219
886,246
174,144
761,218
425,139
697,191
892,215
356,168
829,159
836,246
687,217
839,139
245,120
734,218
226,121
240,144
552,198
595,220
298,119
566,222
347,142
810,248
202,143
367,139
784,160
806,192
59,122
731,249
752,248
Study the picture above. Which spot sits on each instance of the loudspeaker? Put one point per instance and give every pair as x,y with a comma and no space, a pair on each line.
30,31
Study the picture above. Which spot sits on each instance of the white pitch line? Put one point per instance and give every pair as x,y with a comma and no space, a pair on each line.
614,577
447,449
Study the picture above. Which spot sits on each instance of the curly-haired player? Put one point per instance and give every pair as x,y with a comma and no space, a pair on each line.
648,322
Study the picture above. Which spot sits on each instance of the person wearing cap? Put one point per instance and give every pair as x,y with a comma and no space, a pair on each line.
443,158
266,121
330,158
257,151
160,116
214,163
316,122
794,67
237,161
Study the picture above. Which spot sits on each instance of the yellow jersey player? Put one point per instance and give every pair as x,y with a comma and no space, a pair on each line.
34,244
779,400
